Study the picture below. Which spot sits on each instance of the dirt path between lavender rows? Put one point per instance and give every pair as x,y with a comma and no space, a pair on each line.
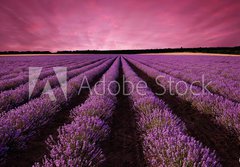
123,147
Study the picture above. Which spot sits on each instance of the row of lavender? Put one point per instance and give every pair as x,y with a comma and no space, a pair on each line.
14,65
224,82
18,125
225,112
202,64
23,78
15,69
13,98
78,142
164,137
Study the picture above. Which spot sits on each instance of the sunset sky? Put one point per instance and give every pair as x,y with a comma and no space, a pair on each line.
125,24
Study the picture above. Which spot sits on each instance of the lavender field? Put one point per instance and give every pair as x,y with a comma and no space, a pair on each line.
120,110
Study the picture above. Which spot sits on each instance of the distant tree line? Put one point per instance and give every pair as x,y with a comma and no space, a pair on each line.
222,50
25,52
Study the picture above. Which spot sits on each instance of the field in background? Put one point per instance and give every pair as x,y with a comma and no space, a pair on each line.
192,54
173,120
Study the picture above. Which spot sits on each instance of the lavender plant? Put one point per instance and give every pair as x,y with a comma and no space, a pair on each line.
165,141
77,142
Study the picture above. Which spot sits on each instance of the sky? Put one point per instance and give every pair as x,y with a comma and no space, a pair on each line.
118,24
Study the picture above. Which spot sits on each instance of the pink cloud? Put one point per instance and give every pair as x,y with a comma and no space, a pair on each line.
126,24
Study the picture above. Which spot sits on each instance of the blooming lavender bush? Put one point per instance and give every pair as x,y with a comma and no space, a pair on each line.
192,68
78,143
13,98
19,124
165,141
224,111
22,78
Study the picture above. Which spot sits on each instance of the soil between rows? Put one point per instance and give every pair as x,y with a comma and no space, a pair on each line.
199,125
123,146
36,147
